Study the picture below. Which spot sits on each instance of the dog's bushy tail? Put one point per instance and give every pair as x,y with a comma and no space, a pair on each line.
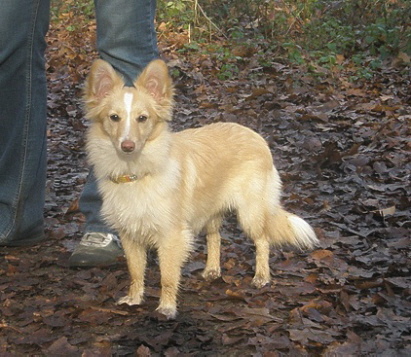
285,228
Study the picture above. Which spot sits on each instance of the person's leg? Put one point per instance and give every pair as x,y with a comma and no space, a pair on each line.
90,205
23,96
126,38
99,246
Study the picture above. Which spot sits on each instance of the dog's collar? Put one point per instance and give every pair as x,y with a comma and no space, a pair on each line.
124,178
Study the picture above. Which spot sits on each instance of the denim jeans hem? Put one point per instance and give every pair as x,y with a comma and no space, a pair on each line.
29,237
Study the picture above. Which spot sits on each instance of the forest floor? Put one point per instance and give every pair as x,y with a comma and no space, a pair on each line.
342,147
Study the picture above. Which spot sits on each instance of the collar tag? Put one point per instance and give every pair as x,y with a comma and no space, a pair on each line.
124,178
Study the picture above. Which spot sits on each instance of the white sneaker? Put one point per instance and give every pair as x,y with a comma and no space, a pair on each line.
96,249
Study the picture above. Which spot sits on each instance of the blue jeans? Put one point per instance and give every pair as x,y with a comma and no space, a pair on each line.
126,39
23,95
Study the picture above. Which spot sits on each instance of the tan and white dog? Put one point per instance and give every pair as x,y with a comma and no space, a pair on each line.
161,188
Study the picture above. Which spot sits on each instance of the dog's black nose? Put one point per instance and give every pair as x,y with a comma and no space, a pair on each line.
128,146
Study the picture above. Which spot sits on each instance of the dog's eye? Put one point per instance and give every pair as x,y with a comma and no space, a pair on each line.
142,118
114,117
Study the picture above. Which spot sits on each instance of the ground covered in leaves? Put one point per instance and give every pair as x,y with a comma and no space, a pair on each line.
343,151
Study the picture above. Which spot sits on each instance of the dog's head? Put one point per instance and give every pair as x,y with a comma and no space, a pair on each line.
129,116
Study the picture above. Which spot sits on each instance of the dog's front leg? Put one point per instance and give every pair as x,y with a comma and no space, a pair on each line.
172,253
136,261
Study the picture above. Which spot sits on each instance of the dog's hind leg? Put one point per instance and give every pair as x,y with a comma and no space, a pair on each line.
252,219
262,268
136,261
212,270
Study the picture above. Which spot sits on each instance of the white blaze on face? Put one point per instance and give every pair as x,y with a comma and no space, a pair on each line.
128,101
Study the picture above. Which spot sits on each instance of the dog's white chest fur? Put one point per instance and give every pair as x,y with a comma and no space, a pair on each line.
143,208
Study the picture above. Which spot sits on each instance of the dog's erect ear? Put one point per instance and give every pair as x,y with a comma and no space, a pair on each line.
156,80
101,80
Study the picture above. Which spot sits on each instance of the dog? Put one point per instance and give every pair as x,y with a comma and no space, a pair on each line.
161,188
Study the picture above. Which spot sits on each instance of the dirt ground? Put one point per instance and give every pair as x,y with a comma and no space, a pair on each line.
343,152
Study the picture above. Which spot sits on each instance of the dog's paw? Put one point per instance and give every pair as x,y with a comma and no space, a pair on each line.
128,300
260,281
211,274
170,312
